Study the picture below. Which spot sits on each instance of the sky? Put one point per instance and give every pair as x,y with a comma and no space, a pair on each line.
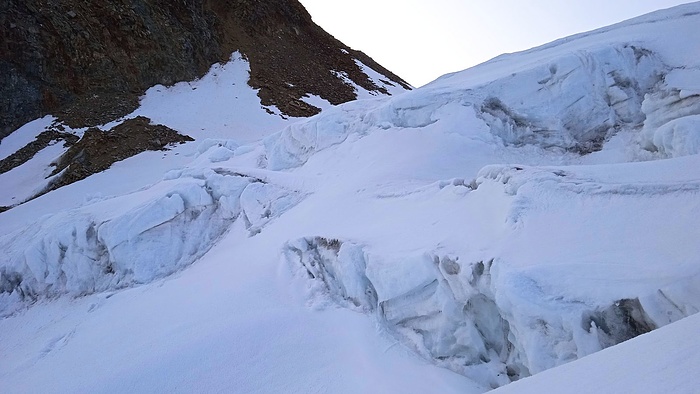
420,40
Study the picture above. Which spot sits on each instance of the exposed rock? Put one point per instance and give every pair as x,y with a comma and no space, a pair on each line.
621,321
98,150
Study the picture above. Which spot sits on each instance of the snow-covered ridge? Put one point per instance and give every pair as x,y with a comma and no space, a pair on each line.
508,315
573,102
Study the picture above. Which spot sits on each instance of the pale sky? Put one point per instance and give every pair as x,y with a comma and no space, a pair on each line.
420,40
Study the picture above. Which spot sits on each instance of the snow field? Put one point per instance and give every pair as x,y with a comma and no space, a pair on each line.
461,218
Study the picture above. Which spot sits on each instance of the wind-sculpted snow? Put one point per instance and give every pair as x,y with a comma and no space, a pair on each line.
573,102
293,146
547,294
134,239
498,222
576,101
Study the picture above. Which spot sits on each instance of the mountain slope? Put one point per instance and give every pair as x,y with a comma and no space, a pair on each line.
237,69
59,58
498,222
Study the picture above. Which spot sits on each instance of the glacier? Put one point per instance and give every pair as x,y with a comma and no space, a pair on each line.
499,222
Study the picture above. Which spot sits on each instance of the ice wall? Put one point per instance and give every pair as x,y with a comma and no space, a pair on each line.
136,238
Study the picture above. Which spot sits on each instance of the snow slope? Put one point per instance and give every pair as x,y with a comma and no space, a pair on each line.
498,222
636,366
220,108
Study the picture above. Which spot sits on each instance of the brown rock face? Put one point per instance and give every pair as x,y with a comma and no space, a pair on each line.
98,150
89,61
